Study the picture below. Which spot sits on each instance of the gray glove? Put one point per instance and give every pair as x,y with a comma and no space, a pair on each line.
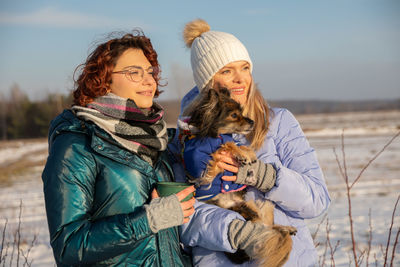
257,174
164,212
248,236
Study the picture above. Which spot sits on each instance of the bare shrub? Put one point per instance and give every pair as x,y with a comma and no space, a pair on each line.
356,255
17,252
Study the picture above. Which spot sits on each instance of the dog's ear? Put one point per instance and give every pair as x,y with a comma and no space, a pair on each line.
212,96
204,112
224,91
205,100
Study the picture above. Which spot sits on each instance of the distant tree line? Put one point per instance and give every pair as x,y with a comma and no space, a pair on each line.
22,118
172,107
323,106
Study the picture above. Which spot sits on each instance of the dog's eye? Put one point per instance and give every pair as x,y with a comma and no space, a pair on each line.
234,115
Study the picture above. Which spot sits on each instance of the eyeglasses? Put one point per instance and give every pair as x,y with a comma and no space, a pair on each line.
136,73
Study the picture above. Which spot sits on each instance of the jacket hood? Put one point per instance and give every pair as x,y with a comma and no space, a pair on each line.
66,121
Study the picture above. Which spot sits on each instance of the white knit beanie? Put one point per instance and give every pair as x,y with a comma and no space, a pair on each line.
211,50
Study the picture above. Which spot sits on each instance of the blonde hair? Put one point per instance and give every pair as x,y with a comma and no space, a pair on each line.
256,108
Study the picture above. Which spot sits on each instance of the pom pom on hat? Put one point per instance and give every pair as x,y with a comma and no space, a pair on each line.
193,30
211,50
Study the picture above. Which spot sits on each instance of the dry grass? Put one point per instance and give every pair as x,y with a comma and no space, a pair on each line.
18,168
9,170
17,143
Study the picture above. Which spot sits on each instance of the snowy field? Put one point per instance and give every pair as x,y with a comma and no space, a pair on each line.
365,134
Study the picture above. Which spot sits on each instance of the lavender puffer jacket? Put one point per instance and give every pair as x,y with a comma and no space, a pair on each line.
300,193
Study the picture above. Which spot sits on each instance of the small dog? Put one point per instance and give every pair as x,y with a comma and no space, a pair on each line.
213,114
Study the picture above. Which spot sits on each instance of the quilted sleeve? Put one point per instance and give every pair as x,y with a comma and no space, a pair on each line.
300,187
208,228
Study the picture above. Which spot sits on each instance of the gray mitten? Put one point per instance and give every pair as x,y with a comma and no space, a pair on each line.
247,235
164,212
257,174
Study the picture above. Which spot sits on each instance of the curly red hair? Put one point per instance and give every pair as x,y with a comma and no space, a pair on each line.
95,77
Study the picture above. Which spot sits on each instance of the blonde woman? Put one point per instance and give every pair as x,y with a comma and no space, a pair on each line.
287,171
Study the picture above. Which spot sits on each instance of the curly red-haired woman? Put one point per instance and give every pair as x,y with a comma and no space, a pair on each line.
106,154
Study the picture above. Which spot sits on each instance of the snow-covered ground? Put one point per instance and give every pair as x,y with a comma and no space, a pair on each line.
365,134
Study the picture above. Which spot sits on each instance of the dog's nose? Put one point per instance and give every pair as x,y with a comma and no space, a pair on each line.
251,122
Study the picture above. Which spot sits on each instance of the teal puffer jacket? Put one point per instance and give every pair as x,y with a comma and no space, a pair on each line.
94,194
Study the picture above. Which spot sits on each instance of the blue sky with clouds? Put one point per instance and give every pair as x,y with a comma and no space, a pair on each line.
331,50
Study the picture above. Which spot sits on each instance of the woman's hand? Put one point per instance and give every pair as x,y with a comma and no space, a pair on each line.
187,206
228,163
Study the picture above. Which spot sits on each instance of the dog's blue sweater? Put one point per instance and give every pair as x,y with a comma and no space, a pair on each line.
197,154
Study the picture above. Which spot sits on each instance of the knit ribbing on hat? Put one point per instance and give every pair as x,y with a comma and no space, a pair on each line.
213,50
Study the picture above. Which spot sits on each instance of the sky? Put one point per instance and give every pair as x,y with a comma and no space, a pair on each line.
301,50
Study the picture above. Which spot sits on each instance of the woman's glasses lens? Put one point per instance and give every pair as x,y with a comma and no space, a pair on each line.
136,73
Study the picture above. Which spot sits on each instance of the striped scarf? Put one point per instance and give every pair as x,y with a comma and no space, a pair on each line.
142,131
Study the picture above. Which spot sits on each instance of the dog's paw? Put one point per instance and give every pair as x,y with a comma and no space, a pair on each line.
245,157
242,160
286,230
292,230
